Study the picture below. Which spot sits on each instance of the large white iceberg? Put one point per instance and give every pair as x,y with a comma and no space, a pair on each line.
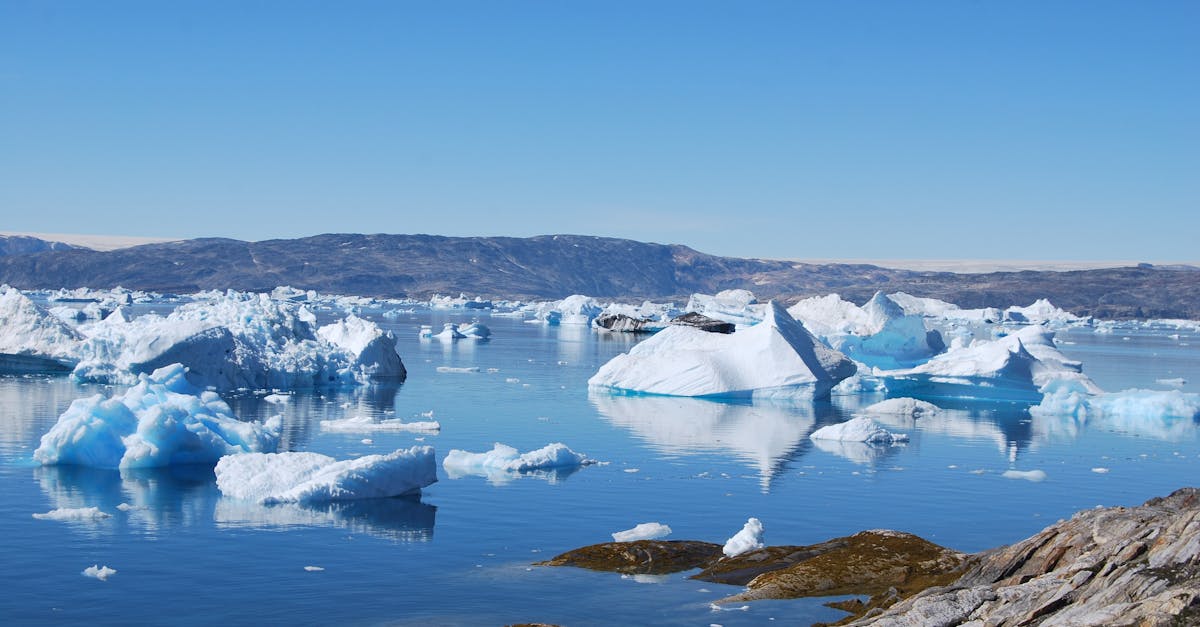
270,478
1014,367
163,420
775,358
31,338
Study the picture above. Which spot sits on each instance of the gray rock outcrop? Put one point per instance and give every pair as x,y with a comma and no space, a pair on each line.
1113,566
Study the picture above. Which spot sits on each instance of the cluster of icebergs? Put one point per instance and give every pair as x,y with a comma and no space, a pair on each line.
227,341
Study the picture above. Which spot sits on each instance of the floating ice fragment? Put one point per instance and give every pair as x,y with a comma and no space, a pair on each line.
452,369
277,399
505,458
1100,470
643,531
73,513
96,571
861,429
313,569
1028,475
365,424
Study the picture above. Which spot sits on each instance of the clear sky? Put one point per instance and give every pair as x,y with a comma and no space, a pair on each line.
848,129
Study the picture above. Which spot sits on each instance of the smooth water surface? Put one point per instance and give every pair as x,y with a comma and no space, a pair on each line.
462,552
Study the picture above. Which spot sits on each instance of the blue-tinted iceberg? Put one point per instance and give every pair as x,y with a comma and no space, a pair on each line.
163,420
270,478
775,358
878,334
1014,367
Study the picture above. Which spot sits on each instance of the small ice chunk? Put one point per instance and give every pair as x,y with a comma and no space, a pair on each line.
1177,382
73,513
861,429
452,369
748,539
1100,470
365,424
1028,475
508,459
96,571
277,399
367,441
643,531
126,507
313,569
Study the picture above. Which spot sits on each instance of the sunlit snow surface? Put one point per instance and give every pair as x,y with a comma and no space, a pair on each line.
187,554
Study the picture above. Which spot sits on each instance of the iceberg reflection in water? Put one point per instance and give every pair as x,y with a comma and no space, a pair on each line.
403,519
763,435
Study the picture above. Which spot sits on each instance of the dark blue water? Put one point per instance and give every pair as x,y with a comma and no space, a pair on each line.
462,552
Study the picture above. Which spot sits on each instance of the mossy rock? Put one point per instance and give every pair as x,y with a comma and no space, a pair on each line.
643,557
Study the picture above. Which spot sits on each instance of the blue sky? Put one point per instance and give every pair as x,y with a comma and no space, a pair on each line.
1008,130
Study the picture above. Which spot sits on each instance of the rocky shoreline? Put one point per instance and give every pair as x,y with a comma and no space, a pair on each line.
1106,566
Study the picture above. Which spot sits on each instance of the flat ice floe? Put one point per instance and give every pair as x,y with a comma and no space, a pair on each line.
1028,475
860,429
269,478
74,513
643,531
1067,408
904,406
366,424
506,459
161,421
749,538
775,358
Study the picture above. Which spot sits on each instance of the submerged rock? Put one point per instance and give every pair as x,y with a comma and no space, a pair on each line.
641,557
1110,566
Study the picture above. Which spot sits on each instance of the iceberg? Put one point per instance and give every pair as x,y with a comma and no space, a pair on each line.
643,531
1041,312
738,307
269,478
775,358
577,309
748,539
239,341
31,338
163,420
506,459
860,429
474,331
879,334
1168,415
373,349
1014,367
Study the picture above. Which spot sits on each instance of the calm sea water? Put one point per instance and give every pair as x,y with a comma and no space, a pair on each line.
462,552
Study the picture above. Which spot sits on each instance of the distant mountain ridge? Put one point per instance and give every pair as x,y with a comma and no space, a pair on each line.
553,266
24,245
